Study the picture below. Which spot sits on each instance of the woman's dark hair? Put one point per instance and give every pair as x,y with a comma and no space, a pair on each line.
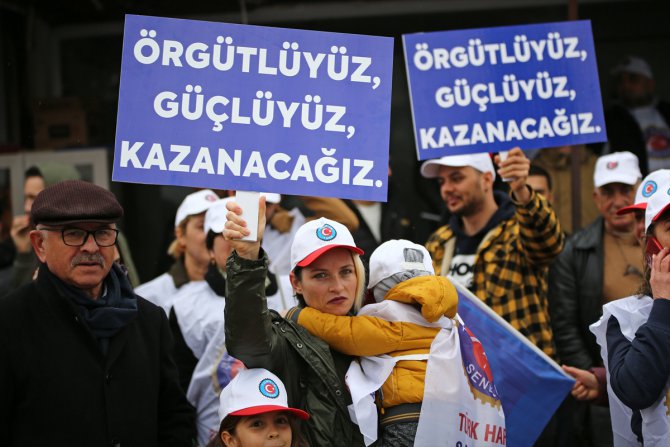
33,171
645,285
230,422
209,241
297,272
216,442
227,424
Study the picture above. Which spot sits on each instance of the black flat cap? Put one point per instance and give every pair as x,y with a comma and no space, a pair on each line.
75,201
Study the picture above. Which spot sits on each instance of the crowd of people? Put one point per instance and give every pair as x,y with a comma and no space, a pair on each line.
269,342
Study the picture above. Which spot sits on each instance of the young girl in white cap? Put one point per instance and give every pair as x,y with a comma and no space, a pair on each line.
254,412
188,250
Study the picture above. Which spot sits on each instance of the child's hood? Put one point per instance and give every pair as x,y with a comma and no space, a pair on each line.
436,295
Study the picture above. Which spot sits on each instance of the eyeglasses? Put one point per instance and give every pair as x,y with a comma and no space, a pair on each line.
76,237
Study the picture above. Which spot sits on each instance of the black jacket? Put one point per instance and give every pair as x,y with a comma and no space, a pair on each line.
58,389
575,296
262,339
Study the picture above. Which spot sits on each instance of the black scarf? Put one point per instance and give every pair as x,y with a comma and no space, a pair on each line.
216,279
107,315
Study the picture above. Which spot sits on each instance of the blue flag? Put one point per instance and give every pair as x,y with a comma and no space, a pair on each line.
530,384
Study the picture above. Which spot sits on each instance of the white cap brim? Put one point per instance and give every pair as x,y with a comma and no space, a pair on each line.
480,162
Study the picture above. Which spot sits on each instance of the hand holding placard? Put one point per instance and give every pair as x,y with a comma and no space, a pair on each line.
237,231
514,169
502,157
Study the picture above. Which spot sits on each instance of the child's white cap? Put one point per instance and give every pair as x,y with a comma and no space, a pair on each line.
255,391
392,257
271,197
396,261
195,203
316,237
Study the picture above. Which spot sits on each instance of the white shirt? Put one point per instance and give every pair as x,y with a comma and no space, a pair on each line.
632,312
278,245
656,134
160,291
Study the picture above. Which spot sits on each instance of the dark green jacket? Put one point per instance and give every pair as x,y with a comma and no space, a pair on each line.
260,338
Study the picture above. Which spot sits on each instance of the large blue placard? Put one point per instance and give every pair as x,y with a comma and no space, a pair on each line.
254,108
491,89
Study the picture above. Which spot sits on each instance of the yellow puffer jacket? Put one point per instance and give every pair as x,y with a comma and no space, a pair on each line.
368,336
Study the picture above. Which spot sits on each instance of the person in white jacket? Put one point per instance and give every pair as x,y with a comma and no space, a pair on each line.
188,250
197,323
634,337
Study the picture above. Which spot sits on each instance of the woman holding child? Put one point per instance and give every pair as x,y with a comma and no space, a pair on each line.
327,276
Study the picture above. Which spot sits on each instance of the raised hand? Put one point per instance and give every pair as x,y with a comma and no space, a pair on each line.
660,274
236,229
515,167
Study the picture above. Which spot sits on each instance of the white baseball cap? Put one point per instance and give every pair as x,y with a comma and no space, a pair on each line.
481,162
271,197
215,218
632,64
195,203
389,258
255,391
658,202
316,237
648,187
617,167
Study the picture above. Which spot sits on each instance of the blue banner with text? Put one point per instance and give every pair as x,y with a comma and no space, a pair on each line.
491,89
254,108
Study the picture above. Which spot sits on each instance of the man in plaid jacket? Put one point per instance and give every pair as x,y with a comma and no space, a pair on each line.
496,245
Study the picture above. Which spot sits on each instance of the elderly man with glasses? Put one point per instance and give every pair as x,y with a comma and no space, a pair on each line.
83,360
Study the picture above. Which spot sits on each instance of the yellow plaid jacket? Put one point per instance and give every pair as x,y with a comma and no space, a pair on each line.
510,272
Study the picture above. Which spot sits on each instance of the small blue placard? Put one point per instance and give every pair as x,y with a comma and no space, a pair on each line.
254,108
491,89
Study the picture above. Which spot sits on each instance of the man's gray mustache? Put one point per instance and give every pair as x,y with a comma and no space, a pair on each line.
88,258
